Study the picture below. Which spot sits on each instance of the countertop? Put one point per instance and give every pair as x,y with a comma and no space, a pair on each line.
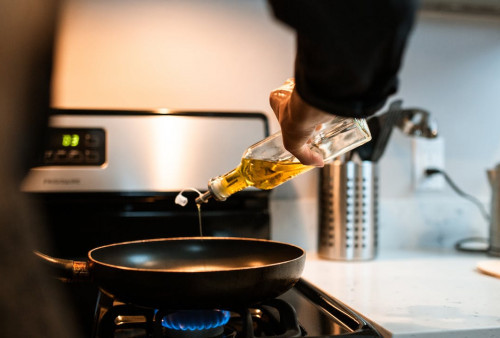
415,293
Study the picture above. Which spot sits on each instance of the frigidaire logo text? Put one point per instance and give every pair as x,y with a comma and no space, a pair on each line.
62,181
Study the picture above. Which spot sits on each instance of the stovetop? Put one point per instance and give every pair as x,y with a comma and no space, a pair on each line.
303,311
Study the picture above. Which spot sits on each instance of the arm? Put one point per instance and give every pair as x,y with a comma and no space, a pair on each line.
348,57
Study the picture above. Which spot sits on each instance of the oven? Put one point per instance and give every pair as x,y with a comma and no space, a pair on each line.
109,176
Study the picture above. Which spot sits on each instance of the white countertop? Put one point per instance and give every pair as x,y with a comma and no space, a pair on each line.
415,294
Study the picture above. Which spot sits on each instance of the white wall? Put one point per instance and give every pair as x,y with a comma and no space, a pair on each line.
452,68
228,55
194,54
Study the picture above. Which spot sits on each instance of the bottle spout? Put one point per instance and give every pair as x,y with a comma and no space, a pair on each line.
204,198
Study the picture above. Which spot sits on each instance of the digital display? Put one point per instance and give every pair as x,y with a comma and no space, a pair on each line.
75,146
70,140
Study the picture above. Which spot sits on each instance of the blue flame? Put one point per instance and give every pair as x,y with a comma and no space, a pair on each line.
196,320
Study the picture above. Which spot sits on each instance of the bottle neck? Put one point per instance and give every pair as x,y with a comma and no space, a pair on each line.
222,187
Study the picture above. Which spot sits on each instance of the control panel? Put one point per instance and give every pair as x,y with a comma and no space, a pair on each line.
75,146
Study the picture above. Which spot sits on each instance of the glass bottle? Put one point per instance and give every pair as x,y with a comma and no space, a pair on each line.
267,163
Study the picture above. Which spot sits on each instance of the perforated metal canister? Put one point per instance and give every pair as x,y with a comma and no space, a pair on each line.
348,211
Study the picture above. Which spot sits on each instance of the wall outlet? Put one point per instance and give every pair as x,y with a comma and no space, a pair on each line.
427,154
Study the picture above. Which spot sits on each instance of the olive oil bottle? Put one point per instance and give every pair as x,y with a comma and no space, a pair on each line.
267,164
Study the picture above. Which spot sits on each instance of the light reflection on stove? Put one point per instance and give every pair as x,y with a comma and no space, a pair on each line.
123,320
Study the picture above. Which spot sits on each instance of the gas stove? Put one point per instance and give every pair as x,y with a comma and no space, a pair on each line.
110,176
303,311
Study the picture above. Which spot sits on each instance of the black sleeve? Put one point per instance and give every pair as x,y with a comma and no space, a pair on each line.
348,52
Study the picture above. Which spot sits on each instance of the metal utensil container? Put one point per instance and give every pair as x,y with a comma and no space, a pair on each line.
349,211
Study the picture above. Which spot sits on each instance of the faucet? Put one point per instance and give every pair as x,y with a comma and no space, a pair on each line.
417,122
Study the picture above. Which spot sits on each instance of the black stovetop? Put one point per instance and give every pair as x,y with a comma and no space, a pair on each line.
303,311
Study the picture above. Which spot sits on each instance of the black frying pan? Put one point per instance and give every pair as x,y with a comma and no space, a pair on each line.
201,272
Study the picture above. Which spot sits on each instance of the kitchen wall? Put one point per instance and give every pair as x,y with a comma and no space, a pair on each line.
190,54
228,55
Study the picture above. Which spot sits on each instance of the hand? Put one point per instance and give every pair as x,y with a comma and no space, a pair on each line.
298,121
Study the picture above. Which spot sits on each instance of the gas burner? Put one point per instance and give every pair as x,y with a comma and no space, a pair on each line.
273,318
319,316
194,323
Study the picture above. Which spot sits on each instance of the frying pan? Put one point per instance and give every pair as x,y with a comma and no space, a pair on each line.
189,273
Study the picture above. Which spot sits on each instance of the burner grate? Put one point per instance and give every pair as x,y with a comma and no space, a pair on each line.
274,318
303,311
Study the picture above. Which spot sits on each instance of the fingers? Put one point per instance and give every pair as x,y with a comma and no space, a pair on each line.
296,138
308,157
298,121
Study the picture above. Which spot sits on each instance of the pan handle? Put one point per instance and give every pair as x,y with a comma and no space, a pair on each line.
65,269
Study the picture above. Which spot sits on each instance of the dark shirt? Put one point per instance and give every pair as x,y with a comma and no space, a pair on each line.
348,52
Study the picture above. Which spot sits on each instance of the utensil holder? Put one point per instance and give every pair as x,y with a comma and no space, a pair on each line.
349,211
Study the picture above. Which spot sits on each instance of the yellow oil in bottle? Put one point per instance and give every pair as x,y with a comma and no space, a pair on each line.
261,174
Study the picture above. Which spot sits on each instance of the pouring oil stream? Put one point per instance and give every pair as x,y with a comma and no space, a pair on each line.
198,205
182,201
